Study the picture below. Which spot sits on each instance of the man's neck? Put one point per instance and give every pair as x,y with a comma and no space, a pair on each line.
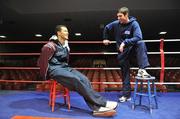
127,21
62,41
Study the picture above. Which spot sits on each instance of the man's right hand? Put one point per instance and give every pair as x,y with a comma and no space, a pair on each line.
106,42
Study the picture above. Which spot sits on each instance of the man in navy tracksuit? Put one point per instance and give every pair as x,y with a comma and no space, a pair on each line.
127,33
53,64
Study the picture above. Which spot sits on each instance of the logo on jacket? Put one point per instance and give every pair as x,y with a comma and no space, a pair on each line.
127,32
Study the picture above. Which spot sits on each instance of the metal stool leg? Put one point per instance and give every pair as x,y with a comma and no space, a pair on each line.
54,95
50,93
155,94
135,91
68,98
149,96
141,91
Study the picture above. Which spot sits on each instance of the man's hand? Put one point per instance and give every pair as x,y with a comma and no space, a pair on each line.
121,48
106,42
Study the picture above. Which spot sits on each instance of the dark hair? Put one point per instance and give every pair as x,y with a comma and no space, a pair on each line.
124,10
58,28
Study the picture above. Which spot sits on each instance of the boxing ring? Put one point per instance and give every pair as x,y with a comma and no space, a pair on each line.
161,83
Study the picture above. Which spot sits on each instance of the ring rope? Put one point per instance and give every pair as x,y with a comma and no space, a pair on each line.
83,42
109,83
87,53
87,68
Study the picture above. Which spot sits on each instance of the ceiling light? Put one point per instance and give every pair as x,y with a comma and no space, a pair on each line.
78,34
38,35
1,36
162,32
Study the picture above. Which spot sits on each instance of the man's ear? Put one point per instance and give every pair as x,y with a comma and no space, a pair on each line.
58,33
127,14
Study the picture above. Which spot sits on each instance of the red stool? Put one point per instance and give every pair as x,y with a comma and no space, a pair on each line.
54,93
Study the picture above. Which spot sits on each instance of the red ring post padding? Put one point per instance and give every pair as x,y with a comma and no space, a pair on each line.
162,60
162,64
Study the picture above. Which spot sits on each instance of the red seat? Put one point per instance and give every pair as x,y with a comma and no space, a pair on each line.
64,92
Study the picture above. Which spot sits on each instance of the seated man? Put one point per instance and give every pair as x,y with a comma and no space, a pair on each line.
53,63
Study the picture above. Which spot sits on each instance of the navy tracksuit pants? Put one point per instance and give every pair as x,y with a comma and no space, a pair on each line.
74,80
140,50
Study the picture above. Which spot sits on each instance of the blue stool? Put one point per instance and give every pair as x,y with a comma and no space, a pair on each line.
150,94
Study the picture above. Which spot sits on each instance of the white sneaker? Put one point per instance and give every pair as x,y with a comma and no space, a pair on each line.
102,109
111,104
143,73
124,99
104,112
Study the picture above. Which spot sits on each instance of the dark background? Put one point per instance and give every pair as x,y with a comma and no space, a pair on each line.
22,19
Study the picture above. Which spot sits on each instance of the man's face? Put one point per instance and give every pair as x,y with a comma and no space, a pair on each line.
64,34
122,18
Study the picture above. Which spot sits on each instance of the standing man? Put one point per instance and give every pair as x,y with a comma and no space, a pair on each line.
127,33
53,64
